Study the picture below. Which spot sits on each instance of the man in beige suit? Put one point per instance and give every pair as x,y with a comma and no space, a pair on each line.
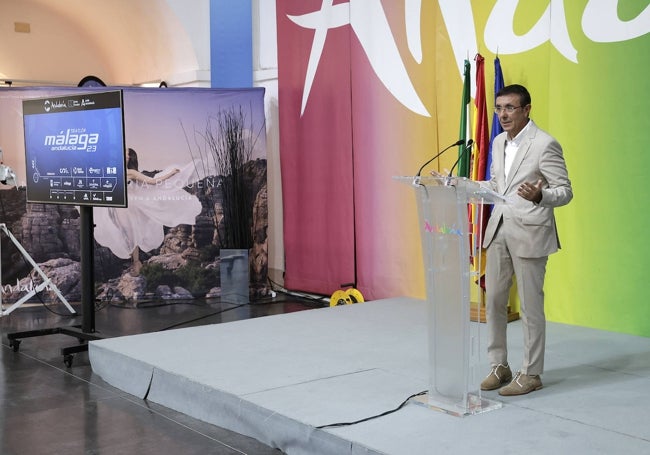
528,168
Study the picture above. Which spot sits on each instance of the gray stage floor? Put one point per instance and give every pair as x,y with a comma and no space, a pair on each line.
277,378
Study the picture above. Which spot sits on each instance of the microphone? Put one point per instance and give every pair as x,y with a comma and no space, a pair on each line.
469,145
458,142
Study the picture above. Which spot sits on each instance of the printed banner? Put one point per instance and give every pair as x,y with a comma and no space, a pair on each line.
315,151
196,173
398,68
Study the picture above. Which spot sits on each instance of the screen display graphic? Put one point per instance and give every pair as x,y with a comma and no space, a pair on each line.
75,149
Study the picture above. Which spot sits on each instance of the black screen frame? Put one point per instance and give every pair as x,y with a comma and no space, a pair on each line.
95,194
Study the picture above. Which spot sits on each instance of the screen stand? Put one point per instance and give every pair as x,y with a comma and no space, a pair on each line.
86,331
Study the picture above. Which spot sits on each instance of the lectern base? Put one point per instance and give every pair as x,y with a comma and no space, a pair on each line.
475,405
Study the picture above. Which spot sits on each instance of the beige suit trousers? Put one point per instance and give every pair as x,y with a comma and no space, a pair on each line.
501,266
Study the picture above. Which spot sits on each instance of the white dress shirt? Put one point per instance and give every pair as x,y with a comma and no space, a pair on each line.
512,146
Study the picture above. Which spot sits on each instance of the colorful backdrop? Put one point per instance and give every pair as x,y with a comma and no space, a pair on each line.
370,89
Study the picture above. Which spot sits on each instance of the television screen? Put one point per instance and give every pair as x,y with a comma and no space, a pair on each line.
75,149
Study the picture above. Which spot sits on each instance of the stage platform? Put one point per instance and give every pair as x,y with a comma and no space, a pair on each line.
277,378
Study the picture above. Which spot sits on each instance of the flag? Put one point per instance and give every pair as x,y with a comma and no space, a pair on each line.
496,130
496,126
479,214
481,138
463,159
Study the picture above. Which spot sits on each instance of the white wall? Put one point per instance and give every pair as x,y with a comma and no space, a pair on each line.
265,74
123,42
195,19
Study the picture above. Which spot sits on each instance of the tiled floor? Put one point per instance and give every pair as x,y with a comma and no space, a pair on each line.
49,408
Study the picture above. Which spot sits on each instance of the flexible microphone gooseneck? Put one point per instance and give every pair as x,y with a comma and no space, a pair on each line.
469,145
459,142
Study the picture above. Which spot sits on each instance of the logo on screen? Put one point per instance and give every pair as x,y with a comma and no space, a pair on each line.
72,139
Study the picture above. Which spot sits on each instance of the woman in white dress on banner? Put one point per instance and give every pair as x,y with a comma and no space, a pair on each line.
153,202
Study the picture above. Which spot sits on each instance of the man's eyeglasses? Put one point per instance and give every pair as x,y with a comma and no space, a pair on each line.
508,109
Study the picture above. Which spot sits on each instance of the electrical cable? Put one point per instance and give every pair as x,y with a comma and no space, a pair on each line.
178,324
279,288
344,424
173,326
147,306
237,305
213,314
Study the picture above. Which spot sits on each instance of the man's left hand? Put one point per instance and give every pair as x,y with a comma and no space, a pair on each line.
531,192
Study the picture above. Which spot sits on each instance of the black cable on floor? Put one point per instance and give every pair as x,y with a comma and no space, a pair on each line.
202,317
345,424
280,289
147,306
261,301
216,313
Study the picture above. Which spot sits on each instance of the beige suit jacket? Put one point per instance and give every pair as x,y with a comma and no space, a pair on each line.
531,226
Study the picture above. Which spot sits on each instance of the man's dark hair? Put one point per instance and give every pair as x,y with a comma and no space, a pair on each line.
515,89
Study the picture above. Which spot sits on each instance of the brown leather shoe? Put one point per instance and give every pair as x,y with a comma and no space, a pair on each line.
499,375
521,385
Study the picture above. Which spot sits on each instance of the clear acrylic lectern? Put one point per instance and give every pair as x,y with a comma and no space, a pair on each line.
454,341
